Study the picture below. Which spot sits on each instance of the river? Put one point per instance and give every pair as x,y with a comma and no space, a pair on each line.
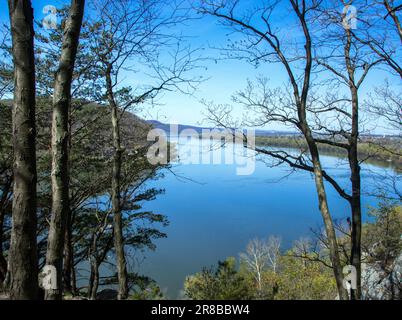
214,212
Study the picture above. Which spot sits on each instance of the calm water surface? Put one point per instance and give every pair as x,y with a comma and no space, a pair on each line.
213,213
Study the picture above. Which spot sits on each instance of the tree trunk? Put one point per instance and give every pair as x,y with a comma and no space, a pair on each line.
68,257
91,281
95,280
60,124
116,205
23,261
328,223
94,277
318,172
355,202
73,279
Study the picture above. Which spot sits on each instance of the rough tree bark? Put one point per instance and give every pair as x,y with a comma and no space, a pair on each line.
60,124
23,261
116,201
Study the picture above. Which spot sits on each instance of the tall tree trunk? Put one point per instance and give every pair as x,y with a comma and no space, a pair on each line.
116,205
95,280
328,223
73,279
60,124
23,261
318,172
355,202
91,281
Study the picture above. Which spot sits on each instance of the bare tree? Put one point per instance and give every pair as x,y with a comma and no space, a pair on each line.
261,255
274,245
380,30
385,103
23,263
262,44
392,12
348,63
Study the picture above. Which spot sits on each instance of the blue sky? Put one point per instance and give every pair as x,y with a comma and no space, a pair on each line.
225,77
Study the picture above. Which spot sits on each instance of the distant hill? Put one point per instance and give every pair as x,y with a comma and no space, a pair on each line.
95,118
132,123
369,146
198,129
91,117
259,132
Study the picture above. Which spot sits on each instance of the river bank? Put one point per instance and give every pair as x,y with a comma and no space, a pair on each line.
382,152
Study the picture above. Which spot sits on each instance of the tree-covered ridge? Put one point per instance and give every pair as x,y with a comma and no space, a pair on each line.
370,149
89,192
